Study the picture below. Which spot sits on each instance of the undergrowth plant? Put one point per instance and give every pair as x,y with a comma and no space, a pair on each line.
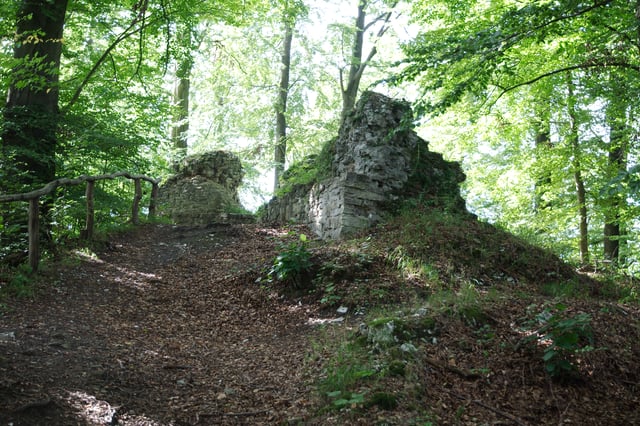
20,284
344,372
563,337
292,263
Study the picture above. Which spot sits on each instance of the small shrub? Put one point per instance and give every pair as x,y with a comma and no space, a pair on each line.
346,399
330,297
397,368
384,400
21,283
564,337
293,263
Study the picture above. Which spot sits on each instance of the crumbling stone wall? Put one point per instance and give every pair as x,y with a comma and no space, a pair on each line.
203,190
378,161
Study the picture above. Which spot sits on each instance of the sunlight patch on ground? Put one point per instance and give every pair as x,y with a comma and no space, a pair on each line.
87,255
91,409
273,232
139,280
321,321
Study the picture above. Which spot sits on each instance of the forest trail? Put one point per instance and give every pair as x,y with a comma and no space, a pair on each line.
166,326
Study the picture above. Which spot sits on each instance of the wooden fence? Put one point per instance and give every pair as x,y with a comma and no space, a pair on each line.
33,198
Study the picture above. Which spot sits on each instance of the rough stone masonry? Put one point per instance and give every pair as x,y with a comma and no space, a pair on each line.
378,161
203,190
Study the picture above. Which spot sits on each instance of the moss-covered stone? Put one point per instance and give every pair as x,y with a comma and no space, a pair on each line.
204,190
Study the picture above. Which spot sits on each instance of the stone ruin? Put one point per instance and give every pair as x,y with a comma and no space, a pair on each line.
378,160
203,190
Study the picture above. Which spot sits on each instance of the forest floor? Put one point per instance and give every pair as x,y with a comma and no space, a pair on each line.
167,325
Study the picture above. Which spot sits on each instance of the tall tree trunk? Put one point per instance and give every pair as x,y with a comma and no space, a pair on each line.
280,152
181,91
32,113
356,66
577,172
542,128
180,129
617,162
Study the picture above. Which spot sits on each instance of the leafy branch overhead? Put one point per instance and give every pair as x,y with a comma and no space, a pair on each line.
488,49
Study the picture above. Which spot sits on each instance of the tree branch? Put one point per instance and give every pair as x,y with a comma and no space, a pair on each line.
128,32
625,65
532,30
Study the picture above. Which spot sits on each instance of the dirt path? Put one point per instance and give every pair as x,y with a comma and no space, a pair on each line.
166,327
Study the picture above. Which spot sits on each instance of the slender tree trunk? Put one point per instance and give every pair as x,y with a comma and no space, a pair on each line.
181,92
280,152
357,64
180,128
542,126
577,173
617,162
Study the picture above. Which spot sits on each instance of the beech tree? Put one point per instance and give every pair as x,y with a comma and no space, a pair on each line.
576,166
289,17
31,113
357,63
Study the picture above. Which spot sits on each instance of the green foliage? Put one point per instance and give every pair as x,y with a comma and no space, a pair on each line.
486,44
565,289
20,284
348,366
481,67
342,399
396,368
467,304
411,267
384,400
330,296
563,337
311,169
293,263
301,173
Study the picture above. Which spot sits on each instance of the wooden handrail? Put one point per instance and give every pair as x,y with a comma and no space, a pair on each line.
51,186
33,198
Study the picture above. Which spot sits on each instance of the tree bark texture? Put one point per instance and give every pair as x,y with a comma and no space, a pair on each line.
356,67
31,113
357,64
181,122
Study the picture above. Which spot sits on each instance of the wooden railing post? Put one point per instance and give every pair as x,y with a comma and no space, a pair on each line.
87,234
33,198
152,201
34,231
135,209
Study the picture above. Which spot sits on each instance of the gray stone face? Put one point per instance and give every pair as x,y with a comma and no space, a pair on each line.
204,189
378,159
377,141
